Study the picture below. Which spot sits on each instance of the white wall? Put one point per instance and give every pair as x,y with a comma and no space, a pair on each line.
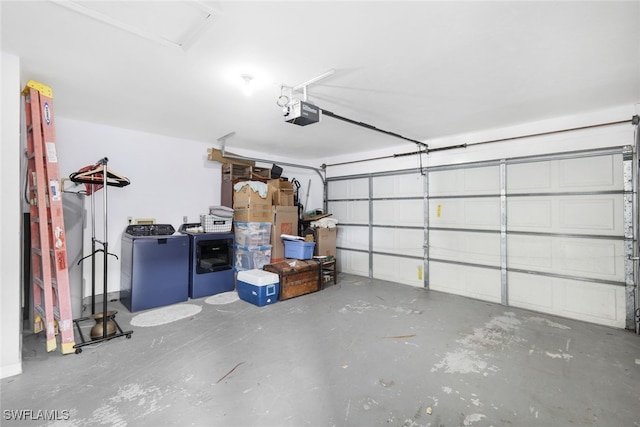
170,178
10,219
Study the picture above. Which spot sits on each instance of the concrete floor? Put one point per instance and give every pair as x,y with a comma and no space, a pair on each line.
359,353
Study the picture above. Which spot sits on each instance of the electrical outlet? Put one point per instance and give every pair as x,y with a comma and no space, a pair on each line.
185,219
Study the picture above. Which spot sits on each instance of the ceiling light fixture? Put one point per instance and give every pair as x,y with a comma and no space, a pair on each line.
247,87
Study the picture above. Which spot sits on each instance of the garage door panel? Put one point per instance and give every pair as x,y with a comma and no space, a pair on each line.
592,302
593,214
532,292
349,189
465,181
352,237
407,271
474,282
483,214
351,262
410,185
592,173
589,258
582,214
596,173
526,252
397,240
399,212
473,248
350,212
525,214
529,177
595,258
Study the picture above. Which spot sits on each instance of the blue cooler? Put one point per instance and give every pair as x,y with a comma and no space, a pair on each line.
258,287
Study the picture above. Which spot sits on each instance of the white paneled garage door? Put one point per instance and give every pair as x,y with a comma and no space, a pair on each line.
552,233
464,231
381,225
566,221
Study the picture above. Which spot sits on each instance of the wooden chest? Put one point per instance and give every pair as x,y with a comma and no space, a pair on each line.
297,277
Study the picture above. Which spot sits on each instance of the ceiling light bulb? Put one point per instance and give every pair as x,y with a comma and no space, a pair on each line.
247,87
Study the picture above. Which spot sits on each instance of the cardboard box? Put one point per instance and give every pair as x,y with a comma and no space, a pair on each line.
283,197
282,192
285,221
325,241
216,156
246,197
254,213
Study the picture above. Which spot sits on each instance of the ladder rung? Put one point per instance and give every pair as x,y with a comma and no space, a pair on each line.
40,311
38,251
37,219
38,281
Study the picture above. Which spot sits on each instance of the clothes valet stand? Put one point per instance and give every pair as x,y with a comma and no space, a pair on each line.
96,177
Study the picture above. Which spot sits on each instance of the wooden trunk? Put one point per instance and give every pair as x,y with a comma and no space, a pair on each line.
297,277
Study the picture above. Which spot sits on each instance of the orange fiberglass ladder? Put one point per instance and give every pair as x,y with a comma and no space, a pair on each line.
49,273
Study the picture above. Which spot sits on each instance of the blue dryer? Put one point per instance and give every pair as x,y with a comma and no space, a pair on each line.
154,267
210,262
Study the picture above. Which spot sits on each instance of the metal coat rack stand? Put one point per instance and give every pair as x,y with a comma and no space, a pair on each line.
97,177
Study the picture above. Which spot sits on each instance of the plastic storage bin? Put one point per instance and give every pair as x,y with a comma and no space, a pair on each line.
252,233
298,249
258,287
251,257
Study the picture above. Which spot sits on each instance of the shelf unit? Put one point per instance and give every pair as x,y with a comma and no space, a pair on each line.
329,271
233,173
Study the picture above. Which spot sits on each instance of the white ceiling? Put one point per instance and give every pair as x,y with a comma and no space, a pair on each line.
421,69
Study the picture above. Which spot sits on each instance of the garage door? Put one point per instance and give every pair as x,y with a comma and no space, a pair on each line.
544,233
381,229
553,234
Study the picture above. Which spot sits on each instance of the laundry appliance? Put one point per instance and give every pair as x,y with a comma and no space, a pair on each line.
154,269
210,261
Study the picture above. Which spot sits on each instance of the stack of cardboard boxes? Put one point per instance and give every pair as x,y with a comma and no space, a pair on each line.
276,208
